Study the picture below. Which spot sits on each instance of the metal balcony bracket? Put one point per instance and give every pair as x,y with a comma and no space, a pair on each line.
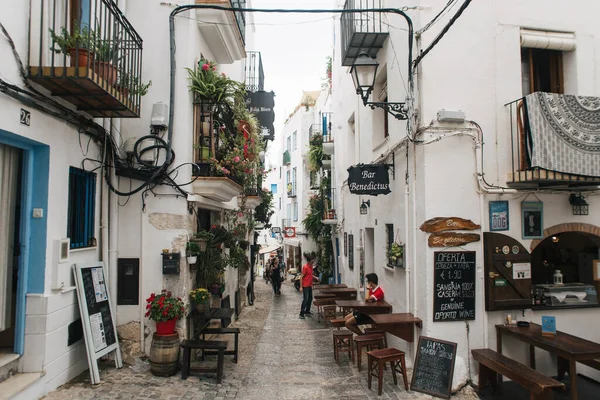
398,110
392,166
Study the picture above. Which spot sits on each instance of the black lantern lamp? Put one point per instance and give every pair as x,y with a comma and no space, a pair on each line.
363,72
364,207
580,206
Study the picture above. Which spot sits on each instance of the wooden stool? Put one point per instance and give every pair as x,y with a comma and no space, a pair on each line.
217,345
337,323
369,331
329,313
342,341
375,339
377,360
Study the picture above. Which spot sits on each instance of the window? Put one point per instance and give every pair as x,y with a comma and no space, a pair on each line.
82,207
80,13
280,203
289,212
289,143
313,180
274,188
542,71
295,211
380,117
389,236
294,181
287,178
386,121
294,141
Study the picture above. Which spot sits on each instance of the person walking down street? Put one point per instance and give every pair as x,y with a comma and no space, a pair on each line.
307,285
276,276
268,271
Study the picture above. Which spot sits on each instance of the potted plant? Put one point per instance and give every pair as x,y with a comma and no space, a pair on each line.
78,44
200,298
165,310
192,250
395,253
129,84
211,87
107,56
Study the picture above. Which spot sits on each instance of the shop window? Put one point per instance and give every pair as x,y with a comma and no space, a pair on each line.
81,209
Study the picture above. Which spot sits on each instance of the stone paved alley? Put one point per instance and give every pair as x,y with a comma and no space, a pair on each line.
281,357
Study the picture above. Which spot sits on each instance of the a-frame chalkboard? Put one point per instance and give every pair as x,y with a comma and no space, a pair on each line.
434,367
99,327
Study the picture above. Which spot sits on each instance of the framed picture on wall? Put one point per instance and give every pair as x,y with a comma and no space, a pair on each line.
532,219
499,216
345,244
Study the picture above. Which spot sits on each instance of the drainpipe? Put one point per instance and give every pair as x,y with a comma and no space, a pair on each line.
141,277
406,235
104,221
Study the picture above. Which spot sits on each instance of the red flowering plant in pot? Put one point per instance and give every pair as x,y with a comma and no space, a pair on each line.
165,310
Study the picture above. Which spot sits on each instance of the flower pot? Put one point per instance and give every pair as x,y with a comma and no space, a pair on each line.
201,307
192,259
164,354
166,327
107,72
83,57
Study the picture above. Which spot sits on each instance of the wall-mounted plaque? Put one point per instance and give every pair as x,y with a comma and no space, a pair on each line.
449,239
499,215
370,179
442,224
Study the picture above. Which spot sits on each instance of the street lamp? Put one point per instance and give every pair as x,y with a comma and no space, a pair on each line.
363,72
364,207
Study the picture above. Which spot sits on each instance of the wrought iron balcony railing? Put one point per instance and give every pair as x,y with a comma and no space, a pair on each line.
255,76
87,53
362,31
553,142
327,131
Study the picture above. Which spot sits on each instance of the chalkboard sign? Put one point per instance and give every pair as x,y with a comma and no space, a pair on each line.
351,251
99,327
454,286
434,367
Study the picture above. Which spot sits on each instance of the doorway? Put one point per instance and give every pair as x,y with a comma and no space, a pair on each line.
10,232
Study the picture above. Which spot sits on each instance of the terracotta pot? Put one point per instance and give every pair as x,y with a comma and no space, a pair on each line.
83,56
166,327
107,72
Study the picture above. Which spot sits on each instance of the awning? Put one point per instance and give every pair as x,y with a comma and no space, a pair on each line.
292,242
548,40
269,249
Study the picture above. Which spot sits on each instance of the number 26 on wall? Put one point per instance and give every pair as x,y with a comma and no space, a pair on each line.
25,117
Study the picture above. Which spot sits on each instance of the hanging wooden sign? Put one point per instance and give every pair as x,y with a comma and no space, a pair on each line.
449,239
442,224
369,179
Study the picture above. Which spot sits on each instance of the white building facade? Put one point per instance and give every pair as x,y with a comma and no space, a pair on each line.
447,164
56,123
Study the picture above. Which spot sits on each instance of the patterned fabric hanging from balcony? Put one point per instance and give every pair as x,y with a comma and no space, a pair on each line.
563,133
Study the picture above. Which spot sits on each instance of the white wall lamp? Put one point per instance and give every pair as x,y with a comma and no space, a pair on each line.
364,71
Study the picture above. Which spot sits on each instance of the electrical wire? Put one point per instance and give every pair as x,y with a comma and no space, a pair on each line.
445,10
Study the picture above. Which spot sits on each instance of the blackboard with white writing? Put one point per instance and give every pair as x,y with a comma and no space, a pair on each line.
434,367
454,286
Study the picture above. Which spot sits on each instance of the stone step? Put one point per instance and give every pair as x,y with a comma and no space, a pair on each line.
9,363
17,384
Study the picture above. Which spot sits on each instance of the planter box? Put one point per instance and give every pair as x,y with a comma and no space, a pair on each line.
328,148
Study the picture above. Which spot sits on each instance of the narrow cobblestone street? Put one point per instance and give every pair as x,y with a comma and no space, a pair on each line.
281,357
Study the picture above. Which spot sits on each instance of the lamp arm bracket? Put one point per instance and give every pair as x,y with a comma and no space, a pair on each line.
398,110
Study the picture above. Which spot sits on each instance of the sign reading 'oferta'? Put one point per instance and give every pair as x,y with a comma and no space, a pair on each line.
371,179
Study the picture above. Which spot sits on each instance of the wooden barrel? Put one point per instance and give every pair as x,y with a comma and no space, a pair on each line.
164,354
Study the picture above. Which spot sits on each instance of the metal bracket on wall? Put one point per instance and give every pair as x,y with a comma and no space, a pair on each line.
392,166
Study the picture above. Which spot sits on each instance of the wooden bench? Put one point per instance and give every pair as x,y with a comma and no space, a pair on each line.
214,345
223,331
492,363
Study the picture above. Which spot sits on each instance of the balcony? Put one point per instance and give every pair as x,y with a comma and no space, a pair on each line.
315,129
328,147
93,61
287,158
291,190
555,142
224,31
255,75
330,217
362,32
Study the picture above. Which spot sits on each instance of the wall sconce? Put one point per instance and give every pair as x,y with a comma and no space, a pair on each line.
580,206
363,72
364,207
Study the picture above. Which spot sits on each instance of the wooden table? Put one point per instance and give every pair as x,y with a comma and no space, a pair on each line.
568,348
365,307
202,320
324,296
341,293
330,286
398,324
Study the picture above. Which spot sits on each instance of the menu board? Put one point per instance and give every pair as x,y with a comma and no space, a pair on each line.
454,286
99,328
434,367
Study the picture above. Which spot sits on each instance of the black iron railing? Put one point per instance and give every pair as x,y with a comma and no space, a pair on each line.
361,31
255,76
327,131
240,18
89,39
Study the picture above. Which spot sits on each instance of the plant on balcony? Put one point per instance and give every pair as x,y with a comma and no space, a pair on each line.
211,86
130,84
315,153
308,101
328,74
289,189
212,263
82,40
264,211
395,253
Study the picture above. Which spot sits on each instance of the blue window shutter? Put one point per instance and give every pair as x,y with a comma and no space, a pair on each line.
82,206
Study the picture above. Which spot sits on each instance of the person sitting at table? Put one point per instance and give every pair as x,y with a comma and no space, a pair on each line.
375,293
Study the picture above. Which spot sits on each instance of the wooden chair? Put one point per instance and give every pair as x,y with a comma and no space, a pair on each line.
377,360
370,331
342,341
367,341
329,313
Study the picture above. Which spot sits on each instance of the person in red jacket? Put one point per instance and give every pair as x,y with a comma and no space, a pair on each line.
375,293
307,285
